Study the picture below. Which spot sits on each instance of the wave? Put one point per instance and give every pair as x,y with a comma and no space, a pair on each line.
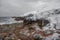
8,20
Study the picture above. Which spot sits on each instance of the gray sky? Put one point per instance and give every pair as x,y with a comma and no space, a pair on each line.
19,7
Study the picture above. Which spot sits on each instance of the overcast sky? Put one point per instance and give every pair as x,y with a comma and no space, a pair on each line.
19,7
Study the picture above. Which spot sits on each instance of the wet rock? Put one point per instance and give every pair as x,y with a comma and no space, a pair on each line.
42,22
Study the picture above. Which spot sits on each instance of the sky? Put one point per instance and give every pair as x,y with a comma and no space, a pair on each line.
20,7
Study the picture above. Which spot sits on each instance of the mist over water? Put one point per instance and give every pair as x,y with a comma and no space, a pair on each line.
20,7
